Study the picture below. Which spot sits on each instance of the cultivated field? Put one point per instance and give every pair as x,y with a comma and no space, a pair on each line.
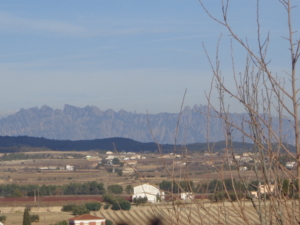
216,213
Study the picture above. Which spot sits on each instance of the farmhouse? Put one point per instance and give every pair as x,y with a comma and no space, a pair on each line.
86,219
153,194
128,170
266,188
187,196
69,167
290,165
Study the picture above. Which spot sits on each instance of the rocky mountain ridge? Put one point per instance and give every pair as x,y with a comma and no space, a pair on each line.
88,123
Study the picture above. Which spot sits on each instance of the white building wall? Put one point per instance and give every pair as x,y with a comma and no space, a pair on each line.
149,191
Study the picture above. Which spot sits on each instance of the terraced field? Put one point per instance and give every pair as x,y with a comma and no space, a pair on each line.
191,215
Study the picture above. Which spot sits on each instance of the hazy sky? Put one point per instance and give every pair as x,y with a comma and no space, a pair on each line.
135,55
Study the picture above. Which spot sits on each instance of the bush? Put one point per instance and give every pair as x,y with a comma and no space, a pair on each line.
106,206
109,222
129,189
140,200
108,198
80,210
68,208
217,196
115,189
121,204
93,206
34,218
2,218
26,217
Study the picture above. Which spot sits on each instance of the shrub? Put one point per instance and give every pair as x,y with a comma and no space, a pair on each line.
93,206
68,208
106,206
34,218
108,198
129,189
217,196
115,189
80,210
121,204
2,218
109,222
26,217
140,200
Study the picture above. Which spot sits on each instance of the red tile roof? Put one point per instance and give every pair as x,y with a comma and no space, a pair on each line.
86,217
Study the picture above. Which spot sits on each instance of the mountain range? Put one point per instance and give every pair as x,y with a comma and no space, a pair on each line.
88,123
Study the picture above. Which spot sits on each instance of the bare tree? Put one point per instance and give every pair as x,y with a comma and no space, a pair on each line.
269,102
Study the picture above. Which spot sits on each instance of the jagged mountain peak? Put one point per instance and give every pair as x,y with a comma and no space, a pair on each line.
75,123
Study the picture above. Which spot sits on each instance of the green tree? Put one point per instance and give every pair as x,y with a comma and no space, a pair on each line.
109,222
80,210
26,217
129,189
34,218
115,189
17,193
2,219
115,161
93,206
120,173
121,204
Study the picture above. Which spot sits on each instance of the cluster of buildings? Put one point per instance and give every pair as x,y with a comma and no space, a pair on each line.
263,189
290,165
67,167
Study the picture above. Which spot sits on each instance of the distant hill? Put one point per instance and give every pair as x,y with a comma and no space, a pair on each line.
17,144
90,123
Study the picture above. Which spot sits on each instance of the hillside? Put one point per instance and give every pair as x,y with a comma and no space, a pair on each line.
18,144
89,123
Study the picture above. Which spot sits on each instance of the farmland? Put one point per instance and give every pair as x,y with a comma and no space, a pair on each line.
202,213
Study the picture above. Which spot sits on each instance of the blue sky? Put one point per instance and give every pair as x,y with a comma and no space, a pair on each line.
122,54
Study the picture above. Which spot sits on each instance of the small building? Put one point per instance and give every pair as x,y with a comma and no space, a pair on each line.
243,168
69,167
237,157
128,170
153,193
246,159
53,167
109,153
187,196
111,157
130,162
254,194
88,157
87,219
44,168
130,153
266,189
290,165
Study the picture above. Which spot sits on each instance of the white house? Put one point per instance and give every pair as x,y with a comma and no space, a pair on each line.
128,170
243,168
290,165
69,167
187,196
152,193
87,219
266,189
109,153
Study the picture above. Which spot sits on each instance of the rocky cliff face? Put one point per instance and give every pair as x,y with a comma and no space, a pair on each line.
73,123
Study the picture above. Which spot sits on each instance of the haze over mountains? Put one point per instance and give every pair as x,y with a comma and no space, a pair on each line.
74,123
